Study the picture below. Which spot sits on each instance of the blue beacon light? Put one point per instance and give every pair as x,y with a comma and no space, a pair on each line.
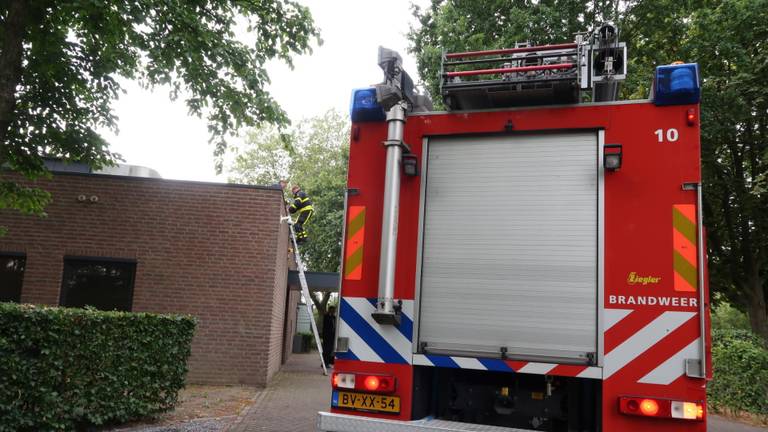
365,107
677,84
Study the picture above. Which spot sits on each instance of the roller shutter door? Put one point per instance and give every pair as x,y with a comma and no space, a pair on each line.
509,258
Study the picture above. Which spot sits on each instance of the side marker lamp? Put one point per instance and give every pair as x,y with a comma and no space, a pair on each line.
690,117
365,107
410,165
677,84
612,156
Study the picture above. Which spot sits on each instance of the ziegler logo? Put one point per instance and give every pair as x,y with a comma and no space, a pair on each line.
634,279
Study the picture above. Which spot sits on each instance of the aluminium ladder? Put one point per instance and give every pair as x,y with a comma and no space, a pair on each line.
305,290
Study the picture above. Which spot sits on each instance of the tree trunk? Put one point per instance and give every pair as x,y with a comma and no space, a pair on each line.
11,50
756,310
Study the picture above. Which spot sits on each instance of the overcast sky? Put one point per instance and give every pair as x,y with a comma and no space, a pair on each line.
158,133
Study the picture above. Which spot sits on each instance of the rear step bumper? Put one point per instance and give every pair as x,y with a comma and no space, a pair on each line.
330,422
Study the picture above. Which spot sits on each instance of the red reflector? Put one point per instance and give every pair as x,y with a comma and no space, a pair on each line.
371,383
690,117
649,407
633,405
386,384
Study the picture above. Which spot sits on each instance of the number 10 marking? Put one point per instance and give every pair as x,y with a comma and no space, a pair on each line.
672,135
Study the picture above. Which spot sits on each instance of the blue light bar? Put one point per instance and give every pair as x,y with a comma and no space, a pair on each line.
364,107
677,84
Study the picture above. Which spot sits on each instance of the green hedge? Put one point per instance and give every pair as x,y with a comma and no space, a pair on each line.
66,369
740,380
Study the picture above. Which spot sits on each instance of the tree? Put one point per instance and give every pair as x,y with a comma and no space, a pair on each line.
313,154
60,61
729,41
726,37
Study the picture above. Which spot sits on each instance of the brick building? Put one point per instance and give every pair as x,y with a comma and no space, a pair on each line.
215,251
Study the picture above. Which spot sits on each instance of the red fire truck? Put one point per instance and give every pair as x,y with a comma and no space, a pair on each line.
524,260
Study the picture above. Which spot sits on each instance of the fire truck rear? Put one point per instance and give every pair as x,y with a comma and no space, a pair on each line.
524,261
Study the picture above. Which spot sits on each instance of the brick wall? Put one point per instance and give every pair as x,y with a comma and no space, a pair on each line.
215,251
290,322
277,324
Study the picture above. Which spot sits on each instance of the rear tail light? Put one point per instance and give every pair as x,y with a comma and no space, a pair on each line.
371,383
661,408
364,382
649,407
383,384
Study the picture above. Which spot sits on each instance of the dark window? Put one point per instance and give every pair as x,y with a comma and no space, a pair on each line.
101,283
11,277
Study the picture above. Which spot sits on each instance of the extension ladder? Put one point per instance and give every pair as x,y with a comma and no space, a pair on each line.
305,290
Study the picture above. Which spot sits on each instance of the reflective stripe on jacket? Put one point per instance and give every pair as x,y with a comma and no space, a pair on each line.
301,203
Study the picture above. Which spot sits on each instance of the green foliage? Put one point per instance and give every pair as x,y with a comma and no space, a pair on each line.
726,317
740,377
740,361
24,199
64,369
308,340
60,75
313,154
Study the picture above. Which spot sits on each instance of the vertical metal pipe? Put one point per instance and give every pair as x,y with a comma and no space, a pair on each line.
702,308
690,370
395,126
341,268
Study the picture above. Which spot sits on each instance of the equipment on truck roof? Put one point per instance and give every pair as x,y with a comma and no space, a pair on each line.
536,75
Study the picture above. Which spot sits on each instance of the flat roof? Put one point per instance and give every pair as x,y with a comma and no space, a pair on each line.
316,281
275,187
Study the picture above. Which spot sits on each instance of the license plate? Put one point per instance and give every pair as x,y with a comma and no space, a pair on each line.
366,402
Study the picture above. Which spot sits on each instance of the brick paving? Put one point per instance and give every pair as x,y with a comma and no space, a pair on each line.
291,401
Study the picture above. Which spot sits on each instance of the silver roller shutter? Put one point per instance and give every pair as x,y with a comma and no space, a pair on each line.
509,254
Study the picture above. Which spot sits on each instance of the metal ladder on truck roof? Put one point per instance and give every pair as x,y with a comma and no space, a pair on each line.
305,289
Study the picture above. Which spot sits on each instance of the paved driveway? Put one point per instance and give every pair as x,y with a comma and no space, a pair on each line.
720,424
300,390
292,400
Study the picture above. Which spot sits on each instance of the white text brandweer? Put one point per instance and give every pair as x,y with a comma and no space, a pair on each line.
652,301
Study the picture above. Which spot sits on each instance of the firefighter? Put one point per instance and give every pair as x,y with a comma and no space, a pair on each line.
329,332
303,206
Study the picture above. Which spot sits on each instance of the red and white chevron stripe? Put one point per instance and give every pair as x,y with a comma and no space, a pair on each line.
649,346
